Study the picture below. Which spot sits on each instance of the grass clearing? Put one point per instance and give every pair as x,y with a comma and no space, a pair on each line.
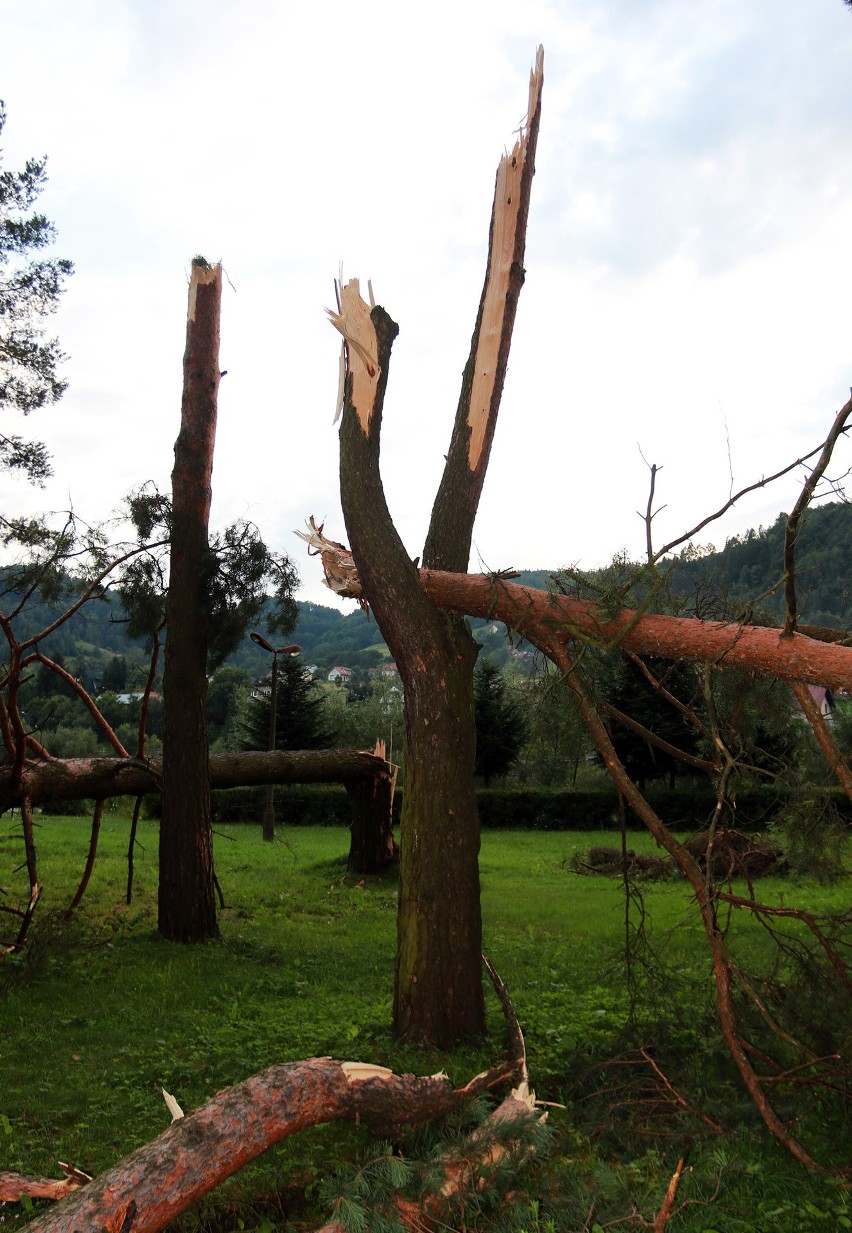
105,1013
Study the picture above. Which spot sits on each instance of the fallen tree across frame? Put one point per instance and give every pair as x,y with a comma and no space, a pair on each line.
74,779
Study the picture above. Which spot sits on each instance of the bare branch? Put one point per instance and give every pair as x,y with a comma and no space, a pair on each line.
794,519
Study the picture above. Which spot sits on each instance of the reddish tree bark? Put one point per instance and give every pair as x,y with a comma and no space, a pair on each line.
153,1185
186,904
791,657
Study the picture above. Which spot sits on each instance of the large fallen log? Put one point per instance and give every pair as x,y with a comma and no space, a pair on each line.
150,1187
146,1190
790,657
100,778
563,619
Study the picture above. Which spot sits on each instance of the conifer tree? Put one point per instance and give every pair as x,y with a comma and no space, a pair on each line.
30,287
501,727
299,724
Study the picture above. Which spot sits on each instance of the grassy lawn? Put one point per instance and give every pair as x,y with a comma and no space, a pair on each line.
104,1013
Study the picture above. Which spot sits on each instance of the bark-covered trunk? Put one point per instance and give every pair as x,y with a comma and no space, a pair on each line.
438,989
75,779
439,935
147,1190
186,904
372,846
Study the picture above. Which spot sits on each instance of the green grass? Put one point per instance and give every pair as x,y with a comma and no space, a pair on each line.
104,1013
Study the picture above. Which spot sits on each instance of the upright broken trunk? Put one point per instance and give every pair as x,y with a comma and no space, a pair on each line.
438,990
186,905
372,847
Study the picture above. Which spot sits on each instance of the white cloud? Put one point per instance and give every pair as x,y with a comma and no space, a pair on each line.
687,257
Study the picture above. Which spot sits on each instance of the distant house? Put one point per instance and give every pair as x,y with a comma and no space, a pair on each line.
824,699
390,668
340,675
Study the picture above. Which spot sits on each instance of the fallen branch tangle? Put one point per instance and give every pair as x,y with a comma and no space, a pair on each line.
149,1188
555,624
165,1177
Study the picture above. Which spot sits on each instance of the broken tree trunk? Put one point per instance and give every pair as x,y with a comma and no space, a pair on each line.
75,779
372,847
790,657
186,904
151,1187
540,616
438,989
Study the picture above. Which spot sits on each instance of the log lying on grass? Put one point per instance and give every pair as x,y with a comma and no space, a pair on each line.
149,1188
14,1186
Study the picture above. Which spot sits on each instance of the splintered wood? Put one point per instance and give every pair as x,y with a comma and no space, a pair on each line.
359,357
506,222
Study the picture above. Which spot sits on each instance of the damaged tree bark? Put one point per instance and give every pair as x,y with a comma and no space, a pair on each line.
438,989
153,1185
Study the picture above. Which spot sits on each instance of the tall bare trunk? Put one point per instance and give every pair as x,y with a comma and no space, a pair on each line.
187,910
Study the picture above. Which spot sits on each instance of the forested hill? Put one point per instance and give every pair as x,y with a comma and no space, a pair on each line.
746,571
749,568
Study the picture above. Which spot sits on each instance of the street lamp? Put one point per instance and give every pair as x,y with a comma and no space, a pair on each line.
274,651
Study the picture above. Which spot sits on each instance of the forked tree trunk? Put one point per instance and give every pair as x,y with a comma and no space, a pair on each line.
438,988
186,904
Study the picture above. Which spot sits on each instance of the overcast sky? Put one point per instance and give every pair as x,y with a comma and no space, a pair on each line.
689,254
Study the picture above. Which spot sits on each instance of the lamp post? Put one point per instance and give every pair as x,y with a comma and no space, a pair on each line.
275,651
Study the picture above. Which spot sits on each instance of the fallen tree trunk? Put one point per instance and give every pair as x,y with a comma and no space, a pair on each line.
149,1188
77,778
562,619
791,657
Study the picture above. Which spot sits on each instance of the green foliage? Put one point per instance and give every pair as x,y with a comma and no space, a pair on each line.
30,287
358,722
299,805
631,692
501,725
240,568
558,741
114,675
748,570
227,692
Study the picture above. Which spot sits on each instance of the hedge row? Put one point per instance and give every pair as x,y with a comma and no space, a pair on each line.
682,809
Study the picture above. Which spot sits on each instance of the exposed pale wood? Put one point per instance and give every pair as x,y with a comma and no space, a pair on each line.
508,225
14,1186
362,349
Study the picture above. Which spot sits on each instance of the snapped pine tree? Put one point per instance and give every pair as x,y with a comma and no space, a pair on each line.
186,904
438,989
